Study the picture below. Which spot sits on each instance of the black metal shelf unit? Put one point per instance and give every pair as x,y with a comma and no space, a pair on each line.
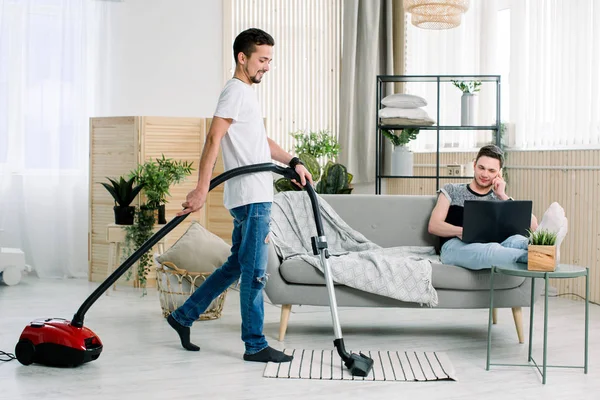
437,79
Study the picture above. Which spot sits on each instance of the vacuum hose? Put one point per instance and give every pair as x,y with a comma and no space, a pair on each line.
77,320
358,364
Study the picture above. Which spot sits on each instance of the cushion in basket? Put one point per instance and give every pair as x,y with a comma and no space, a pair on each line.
197,250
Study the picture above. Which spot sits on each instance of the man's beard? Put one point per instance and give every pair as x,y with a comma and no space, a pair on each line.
255,78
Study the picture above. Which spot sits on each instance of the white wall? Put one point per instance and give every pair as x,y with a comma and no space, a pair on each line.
161,58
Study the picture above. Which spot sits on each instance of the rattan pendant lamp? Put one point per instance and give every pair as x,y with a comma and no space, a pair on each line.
436,14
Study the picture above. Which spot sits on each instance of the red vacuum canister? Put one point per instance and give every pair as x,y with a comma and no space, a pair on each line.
55,342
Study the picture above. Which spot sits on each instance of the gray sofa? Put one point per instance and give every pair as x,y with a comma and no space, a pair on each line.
391,220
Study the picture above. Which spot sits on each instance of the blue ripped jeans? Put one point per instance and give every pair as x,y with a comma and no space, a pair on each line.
248,261
484,255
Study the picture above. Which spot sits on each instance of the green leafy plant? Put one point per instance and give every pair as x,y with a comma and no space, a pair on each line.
402,139
122,191
335,179
468,86
542,238
317,144
158,175
135,236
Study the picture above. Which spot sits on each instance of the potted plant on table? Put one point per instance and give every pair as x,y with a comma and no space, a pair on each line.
123,193
541,252
467,101
157,176
402,157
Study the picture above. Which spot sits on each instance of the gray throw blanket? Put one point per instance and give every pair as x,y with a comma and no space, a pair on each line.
403,273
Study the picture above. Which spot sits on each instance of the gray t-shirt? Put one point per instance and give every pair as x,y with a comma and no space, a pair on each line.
457,193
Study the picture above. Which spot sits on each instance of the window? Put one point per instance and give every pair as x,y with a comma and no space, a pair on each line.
43,121
546,55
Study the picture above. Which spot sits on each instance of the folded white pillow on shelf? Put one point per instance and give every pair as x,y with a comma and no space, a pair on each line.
403,100
402,116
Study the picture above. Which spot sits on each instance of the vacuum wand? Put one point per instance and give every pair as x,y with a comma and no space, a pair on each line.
358,364
77,320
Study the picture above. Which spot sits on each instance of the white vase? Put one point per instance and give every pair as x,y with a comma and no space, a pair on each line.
468,109
402,161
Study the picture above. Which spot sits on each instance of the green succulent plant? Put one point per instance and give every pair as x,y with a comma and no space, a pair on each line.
542,238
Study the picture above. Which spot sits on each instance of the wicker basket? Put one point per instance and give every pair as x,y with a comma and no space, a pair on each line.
175,285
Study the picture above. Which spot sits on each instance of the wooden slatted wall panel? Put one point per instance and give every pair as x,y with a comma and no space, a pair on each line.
537,175
220,221
180,139
117,146
113,150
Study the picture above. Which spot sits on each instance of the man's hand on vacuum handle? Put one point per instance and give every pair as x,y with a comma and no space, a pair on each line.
196,198
194,201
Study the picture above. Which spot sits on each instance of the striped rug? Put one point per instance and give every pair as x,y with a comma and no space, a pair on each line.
407,366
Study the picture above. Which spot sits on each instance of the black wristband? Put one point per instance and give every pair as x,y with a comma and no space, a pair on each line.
295,161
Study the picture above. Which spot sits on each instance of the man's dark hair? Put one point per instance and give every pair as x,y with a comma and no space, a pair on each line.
247,41
492,151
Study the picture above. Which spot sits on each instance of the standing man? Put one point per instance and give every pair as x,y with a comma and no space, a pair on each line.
447,216
238,125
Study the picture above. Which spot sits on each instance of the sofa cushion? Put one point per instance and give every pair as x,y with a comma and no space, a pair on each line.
448,277
197,250
409,214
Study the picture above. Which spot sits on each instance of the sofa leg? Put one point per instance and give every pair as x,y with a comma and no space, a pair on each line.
518,317
494,316
286,309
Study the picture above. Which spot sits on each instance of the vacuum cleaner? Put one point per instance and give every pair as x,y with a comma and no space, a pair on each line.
63,343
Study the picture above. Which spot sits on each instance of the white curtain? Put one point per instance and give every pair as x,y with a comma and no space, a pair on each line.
367,52
547,54
47,69
469,49
555,73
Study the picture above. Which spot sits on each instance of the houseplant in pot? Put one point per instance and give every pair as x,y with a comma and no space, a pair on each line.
467,101
157,176
402,157
541,252
318,151
123,192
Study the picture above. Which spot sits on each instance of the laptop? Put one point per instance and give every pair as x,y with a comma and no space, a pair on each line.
486,221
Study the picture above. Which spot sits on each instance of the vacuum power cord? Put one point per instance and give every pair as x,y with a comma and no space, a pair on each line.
10,356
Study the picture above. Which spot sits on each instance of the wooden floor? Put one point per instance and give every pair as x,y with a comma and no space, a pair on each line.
142,357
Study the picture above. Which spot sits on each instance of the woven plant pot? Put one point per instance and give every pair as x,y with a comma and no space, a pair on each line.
176,285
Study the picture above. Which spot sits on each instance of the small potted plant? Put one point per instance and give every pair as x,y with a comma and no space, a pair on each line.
123,192
320,144
157,176
467,101
541,252
333,177
402,157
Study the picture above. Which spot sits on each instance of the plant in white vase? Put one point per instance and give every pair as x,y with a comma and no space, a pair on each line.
402,157
467,101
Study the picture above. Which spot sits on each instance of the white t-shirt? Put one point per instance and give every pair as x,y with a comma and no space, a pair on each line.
244,144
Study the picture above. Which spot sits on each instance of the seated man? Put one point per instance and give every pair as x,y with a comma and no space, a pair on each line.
447,216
